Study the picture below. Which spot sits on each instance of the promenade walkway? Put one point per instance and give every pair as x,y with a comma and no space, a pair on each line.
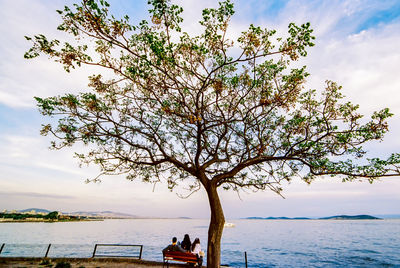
8,262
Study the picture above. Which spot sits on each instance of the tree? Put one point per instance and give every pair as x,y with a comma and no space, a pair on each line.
52,215
204,111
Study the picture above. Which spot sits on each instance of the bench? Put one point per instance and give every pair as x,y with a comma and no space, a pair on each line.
179,256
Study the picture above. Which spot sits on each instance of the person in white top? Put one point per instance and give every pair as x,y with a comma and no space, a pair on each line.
196,249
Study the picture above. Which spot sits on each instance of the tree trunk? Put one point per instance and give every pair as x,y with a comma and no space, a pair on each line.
215,229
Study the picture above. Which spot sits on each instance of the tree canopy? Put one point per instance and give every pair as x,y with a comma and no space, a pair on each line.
204,110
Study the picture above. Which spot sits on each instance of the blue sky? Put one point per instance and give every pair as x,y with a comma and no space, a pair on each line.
357,46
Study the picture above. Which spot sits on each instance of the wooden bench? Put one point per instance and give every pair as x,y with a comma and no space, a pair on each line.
179,256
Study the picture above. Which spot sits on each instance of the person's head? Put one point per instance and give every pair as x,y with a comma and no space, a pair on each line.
195,242
186,237
174,239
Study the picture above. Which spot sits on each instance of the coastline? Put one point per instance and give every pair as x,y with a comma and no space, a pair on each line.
49,221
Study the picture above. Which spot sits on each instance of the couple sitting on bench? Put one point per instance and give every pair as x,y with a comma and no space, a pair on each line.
192,254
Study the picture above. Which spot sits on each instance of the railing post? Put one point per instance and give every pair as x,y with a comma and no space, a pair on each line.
140,254
245,258
94,251
2,246
47,251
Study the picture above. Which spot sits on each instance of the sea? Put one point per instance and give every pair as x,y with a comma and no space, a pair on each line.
264,243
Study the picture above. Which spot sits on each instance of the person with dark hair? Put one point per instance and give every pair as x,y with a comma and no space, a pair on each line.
174,246
196,249
186,244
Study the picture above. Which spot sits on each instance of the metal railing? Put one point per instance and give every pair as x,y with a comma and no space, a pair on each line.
96,246
138,256
111,253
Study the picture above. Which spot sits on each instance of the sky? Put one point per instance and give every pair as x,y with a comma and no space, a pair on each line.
357,46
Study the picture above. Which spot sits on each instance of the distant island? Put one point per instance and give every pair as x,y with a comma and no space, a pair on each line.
43,215
17,216
346,217
338,217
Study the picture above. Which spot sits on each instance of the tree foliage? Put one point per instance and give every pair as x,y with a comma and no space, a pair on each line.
52,215
204,109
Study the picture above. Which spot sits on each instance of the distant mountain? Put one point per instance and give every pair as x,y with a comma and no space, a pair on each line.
102,214
346,217
36,210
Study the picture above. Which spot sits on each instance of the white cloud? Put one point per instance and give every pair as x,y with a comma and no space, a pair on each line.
21,79
35,195
365,63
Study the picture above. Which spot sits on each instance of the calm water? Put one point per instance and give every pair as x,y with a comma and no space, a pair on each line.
275,243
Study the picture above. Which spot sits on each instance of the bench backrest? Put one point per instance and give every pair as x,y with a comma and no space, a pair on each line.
180,256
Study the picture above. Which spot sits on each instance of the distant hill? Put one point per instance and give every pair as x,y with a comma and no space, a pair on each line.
37,210
103,214
346,217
